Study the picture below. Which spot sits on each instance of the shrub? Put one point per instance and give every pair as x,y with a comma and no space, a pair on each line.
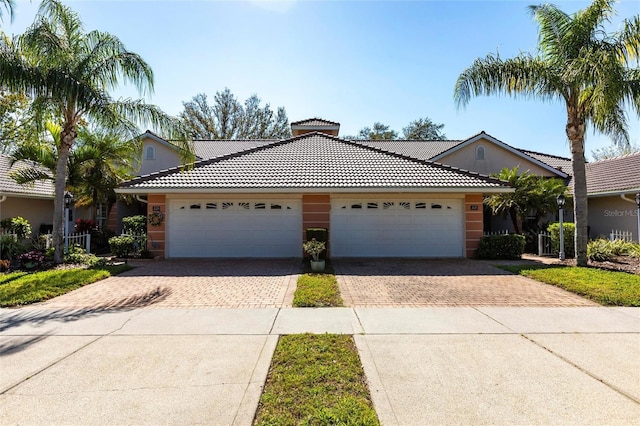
318,234
602,250
121,246
10,248
5,264
100,240
33,258
85,225
17,225
510,246
82,258
136,225
569,243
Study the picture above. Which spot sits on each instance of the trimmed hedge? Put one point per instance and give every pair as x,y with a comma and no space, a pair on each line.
569,241
509,246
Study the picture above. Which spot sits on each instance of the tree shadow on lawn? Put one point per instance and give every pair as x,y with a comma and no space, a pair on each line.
10,318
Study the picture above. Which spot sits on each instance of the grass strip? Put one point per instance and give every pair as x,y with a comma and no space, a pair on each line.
316,380
317,291
605,287
21,288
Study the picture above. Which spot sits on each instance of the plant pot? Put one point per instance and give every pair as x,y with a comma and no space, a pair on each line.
317,266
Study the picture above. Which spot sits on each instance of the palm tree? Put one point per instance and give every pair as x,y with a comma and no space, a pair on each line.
104,159
579,63
9,5
70,73
515,204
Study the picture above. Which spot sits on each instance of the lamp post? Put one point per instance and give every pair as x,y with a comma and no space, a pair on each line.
561,200
638,204
68,200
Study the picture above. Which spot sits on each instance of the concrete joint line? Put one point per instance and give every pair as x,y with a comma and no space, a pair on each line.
583,370
361,330
273,323
48,366
380,398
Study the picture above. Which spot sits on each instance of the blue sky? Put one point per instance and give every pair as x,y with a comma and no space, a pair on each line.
355,62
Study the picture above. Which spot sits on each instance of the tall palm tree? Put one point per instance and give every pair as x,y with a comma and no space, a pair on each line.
579,63
70,73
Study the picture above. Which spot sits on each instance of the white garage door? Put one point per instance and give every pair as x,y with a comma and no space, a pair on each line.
233,228
397,228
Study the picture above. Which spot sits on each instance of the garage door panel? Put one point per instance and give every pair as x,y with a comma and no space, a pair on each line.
397,228
245,228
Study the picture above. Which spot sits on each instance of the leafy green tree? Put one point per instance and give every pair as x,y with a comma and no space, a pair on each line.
70,72
378,132
578,63
16,122
227,118
423,129
612,151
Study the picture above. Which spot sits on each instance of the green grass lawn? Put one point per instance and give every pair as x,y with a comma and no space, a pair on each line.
605,287
22,288
316,380
317,290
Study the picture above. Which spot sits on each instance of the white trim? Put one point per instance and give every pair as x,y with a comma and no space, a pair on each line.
502,145
613,193
25,195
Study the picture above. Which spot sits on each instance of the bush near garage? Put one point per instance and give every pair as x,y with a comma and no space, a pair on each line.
121,246
569,243
136,225
508,246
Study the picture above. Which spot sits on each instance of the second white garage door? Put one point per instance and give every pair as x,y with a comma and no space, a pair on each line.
234,228
397,228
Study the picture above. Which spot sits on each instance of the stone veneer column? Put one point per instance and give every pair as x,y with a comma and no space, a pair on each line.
473,223
316,211
156,234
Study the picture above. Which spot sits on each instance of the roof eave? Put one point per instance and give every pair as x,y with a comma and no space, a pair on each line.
290,190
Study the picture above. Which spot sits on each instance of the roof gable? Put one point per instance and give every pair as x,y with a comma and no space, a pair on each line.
515,151
314,161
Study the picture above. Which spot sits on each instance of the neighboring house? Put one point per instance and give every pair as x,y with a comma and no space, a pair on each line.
258,202
611,186
32,202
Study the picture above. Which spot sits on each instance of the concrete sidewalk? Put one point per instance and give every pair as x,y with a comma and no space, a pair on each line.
464,365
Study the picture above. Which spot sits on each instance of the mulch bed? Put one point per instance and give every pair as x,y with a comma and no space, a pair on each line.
620,263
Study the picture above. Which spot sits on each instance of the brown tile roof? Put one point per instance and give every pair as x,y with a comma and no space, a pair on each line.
422,150
560,163
8,186
314,161
206,149
619,174
315,121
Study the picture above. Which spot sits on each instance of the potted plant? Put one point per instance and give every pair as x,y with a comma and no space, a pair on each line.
313,248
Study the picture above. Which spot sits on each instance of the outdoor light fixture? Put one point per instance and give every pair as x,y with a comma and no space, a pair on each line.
68,199
561,201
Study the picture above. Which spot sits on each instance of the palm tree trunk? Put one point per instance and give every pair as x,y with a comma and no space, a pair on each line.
514,220
575,132
67,137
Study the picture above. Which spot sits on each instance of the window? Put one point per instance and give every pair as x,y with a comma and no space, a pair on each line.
101,215
150,152
212,206
480,152
195,206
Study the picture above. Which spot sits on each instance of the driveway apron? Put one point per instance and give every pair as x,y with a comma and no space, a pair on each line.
442,282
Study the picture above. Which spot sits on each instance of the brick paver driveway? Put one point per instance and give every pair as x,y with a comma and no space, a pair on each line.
190,283
454,282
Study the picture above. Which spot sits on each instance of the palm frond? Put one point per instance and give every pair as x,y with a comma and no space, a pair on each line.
28,176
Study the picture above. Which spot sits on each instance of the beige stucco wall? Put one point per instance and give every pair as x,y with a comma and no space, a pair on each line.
166,157
607,213
36,211
496,158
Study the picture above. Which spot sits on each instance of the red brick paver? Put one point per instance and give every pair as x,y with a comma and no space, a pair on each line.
450,282
190,283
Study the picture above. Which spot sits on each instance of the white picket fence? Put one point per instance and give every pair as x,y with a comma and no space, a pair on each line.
82,240
621,235
545,247
504,232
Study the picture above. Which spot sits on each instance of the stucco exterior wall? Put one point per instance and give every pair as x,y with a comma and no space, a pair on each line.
156,234
474,219
607,213
36,211
495,159
165,157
